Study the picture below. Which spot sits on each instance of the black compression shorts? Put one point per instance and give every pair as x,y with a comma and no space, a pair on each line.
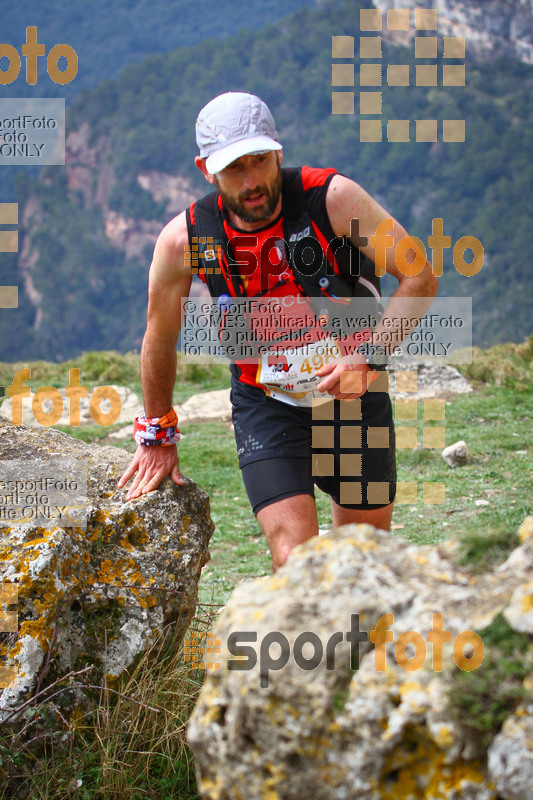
346,448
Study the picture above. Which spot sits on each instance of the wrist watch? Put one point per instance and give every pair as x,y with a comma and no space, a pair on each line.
374,354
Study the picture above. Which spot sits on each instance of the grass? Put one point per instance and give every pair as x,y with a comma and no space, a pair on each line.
506,365
131,745
480,700
495,422
125,750
102,368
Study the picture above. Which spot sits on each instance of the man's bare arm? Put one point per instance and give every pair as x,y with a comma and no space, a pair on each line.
169,283
346,200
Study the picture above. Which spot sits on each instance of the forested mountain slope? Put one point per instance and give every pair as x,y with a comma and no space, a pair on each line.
88,230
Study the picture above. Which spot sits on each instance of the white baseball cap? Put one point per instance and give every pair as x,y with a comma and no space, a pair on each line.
232,125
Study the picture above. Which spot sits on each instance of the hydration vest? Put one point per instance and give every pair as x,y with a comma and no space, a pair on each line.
354,276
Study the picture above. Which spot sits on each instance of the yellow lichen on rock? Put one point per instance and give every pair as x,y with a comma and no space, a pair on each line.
362,732
210,788
269,794
104,587
421,772
443,736
449,779
525,531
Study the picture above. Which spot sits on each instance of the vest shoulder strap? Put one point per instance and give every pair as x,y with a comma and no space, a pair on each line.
214,249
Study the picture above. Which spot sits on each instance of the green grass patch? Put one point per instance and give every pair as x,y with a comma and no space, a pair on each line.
130,744
481,700
509,365
97,368
103,368
495,423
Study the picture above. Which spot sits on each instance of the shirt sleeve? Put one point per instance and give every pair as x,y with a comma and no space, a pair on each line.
313,177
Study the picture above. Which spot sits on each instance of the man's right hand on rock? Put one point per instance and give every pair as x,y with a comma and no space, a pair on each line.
151,465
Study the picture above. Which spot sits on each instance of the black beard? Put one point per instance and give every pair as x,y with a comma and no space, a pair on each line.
263,212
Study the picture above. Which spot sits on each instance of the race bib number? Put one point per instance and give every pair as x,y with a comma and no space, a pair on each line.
289,374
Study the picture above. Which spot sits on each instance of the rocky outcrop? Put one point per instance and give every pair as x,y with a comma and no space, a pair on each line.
33,216
206,407
87,166
310,702
490,28
132,236
97,591
90,173
429,378
176,191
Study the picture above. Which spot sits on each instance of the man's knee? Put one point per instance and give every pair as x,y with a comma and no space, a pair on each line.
280,554
288,523
378,517
282,547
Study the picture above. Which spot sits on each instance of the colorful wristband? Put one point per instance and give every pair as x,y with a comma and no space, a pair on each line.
157,430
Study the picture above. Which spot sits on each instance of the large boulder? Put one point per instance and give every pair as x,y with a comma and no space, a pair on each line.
98,589
297,710
206,407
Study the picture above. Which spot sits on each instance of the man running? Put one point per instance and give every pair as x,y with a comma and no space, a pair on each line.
287,440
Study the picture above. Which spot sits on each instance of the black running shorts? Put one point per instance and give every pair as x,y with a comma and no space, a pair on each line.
345,447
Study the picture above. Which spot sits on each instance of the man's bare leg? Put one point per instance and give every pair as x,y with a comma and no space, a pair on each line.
287,523
378,517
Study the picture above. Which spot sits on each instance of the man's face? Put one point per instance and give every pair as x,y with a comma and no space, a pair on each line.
250,187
